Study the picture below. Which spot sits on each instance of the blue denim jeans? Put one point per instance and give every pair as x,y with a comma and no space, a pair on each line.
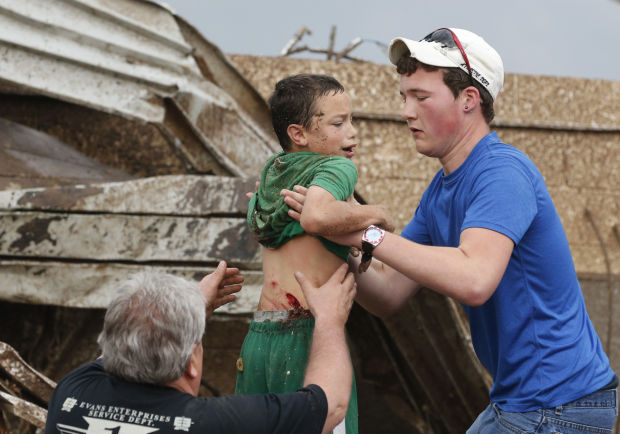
594,413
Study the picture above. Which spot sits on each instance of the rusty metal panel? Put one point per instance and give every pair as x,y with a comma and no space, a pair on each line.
109,237
93,285
217,67
24,375
230,145
136,148
68,245
129,58
81,45
189,195
439,360
23,409
28,154
18,382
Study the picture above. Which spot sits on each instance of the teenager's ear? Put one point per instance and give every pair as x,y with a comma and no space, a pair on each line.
297,134
471,98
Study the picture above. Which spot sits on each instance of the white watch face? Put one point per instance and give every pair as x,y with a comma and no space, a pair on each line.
373,235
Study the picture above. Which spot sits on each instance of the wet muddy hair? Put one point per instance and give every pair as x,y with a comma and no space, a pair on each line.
455,78
294,99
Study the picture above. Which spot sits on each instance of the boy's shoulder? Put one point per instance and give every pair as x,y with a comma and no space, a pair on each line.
304,159
324,158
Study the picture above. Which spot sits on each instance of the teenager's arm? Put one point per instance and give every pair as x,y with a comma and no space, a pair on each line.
469,273
381,290
324,214
329,364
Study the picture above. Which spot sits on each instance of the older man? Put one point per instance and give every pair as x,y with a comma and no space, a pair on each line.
148,377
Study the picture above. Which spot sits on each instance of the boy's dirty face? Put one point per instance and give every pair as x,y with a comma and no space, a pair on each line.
332,131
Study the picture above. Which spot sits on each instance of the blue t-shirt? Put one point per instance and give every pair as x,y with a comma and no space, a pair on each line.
534,334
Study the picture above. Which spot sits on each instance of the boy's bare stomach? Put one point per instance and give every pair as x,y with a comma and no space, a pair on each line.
303,253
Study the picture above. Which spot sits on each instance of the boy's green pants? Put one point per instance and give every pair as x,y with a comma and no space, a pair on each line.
273,359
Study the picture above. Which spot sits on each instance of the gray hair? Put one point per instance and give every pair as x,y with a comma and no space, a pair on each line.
151,327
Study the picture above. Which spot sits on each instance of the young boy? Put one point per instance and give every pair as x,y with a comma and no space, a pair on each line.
312,117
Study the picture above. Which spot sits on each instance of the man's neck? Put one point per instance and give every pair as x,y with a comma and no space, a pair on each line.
463,147
182,385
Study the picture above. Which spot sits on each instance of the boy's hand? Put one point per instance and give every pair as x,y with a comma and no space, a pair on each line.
295,200
220,286
249,194
331,302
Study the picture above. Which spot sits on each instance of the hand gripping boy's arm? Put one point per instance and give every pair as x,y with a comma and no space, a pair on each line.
323,214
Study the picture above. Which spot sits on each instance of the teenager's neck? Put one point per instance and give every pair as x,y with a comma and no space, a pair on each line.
465,143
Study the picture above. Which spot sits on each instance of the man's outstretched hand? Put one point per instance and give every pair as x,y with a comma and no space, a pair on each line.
220,286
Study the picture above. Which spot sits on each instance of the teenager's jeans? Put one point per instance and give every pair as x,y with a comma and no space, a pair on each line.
594,413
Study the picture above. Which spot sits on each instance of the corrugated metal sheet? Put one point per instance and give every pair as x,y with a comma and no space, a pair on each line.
70,245
129,59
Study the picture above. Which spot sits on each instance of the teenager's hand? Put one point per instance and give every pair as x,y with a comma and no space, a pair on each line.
220,286
388,224
352,200
351,239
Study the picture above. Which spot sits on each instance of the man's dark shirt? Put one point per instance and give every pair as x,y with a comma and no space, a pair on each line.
90,400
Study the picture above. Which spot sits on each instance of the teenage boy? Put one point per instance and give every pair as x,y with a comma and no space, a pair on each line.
312,118
486,233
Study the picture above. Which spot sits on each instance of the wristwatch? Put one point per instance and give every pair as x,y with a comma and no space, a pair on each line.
371,238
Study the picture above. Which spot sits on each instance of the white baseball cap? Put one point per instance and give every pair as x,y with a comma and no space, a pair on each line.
449,47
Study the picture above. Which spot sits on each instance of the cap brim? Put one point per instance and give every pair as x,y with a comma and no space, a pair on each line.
421,50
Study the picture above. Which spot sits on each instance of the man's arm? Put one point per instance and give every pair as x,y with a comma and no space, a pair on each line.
381,290
324,214
220,286
469,273
329,365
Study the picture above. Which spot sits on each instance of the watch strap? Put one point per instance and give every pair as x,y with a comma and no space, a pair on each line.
365,262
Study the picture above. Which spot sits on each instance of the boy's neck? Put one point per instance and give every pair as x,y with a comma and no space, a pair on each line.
295,148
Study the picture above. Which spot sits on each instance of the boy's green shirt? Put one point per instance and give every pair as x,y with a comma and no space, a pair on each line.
268,213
